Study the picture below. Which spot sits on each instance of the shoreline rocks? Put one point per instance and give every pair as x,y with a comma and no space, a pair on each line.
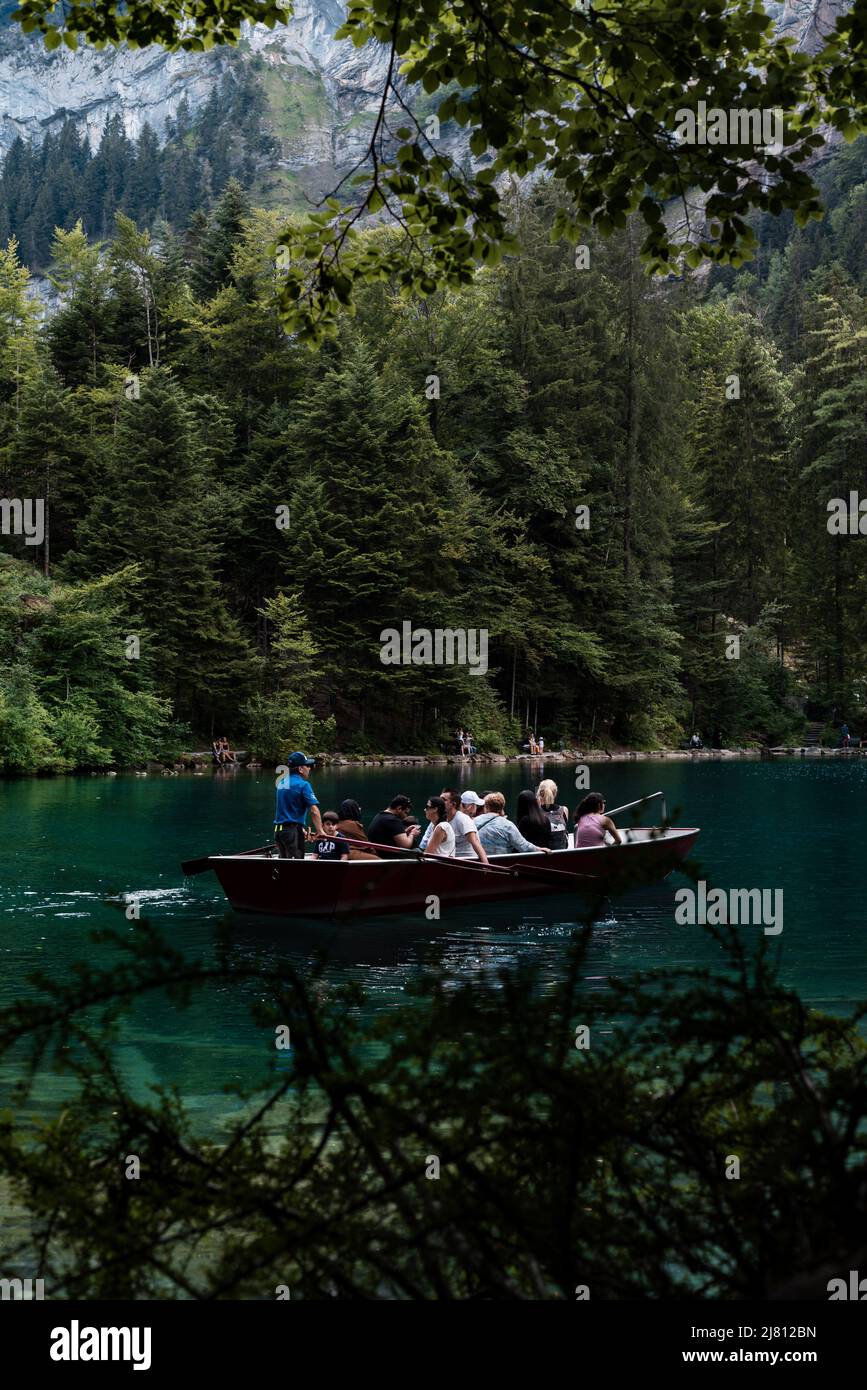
198,763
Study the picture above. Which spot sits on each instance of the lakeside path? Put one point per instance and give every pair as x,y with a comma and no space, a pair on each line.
199,762
596,755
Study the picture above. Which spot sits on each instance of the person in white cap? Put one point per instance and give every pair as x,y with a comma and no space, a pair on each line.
462,810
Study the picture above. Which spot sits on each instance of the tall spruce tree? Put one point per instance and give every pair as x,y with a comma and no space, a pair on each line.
157,512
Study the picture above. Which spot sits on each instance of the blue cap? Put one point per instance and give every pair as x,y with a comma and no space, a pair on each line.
300,760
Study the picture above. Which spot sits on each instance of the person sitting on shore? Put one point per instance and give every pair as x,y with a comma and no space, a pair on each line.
531,740
695,741
217,750
228,755
349,825
557,816
591,823
531,821
390,826
441,842
330,844
498,834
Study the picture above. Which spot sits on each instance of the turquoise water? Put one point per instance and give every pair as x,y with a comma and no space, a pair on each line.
74,848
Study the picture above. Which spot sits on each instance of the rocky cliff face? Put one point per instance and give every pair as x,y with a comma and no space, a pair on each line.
321,95
808,22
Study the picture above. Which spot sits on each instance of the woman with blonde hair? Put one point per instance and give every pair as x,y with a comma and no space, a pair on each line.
556,816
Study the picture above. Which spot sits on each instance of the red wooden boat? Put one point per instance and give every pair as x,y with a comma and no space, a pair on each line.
257,881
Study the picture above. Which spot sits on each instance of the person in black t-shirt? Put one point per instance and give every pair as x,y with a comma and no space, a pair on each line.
394,826
331,845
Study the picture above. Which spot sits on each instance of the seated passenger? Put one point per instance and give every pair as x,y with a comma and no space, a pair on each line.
471,804
532,823
591,822
442,837
425,839
467,843
557,816
330,845
349,824
498,834
390,826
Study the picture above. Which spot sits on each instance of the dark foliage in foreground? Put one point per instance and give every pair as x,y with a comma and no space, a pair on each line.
559,1167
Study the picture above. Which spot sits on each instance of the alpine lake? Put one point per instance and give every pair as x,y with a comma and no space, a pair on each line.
78,851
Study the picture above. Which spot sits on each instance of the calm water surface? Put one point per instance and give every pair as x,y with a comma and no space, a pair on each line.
73,848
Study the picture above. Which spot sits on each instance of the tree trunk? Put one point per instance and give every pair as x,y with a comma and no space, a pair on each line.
631,404
46,557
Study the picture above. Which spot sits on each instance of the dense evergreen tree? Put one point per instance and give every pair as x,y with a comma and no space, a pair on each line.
831,578
211,270
62,180
155,506
68,695
625,485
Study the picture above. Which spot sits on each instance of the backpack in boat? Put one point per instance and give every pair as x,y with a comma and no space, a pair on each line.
557,822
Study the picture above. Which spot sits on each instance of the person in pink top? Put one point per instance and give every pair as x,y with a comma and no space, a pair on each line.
591,822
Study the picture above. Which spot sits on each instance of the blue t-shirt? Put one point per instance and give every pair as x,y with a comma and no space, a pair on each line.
294,796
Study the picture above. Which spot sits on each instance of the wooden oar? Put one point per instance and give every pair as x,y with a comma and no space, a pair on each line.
513,870
202,865
642,801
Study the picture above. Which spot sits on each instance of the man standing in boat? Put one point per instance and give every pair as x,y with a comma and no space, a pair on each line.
295,798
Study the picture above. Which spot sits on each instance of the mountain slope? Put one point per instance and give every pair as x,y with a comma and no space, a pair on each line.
321,95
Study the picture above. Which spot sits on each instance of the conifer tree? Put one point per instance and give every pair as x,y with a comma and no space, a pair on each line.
19,352
157,511
831,574
212,267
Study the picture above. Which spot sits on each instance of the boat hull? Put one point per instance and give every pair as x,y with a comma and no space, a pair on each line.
257,883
